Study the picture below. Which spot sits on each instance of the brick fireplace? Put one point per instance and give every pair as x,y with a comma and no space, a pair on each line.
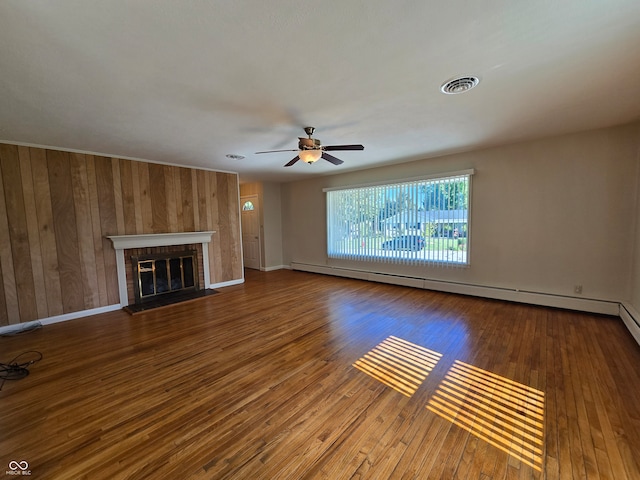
153,248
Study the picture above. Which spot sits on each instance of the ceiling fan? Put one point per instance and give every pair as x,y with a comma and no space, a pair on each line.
310,150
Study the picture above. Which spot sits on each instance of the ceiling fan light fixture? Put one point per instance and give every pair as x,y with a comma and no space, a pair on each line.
310,150
310,156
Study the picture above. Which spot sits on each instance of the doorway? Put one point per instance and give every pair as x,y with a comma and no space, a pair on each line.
250,220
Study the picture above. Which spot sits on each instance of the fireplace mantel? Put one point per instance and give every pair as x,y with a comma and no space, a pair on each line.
159,239
122,242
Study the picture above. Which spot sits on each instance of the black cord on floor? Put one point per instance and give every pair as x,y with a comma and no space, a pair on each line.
15,370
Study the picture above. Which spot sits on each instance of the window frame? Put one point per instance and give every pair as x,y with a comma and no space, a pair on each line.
456,254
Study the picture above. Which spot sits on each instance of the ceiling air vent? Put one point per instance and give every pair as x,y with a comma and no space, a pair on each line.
459,85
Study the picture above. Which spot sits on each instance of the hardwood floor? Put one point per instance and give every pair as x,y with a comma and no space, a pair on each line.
301,376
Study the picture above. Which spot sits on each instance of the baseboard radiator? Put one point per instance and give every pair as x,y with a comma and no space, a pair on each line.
631,318
513,295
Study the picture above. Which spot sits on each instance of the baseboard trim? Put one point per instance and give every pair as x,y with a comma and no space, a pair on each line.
80,314
59,318
238,281
275,267
512,295
20,327
631,318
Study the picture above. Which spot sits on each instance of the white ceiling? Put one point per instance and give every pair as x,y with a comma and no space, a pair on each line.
187,82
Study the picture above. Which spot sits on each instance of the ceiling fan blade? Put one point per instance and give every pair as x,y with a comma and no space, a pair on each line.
332,159
293,161
343,147
274,151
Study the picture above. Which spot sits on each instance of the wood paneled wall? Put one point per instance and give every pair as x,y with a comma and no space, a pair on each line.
56,209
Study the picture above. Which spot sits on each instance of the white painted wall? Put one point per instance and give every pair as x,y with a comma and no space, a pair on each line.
272,214
635,273
546,215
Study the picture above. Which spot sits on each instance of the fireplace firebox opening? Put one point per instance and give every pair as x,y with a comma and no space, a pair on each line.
162,274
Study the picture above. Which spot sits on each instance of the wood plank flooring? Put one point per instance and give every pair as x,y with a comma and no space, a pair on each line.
259,382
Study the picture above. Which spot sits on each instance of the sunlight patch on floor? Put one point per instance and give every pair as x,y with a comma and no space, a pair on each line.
399,364
504,413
